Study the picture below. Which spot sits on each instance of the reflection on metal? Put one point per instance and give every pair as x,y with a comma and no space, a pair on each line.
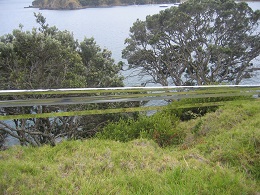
79,96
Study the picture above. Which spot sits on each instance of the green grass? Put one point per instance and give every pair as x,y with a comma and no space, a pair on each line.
230,137
219,155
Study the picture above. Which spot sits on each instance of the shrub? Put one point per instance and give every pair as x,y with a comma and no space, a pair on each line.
160,127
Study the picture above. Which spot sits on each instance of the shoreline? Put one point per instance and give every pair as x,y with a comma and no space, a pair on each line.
108,6
86,7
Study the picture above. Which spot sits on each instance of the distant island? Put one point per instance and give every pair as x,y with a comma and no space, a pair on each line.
81,4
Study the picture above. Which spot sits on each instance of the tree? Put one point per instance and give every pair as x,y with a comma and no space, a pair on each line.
197,43
49,58
101,68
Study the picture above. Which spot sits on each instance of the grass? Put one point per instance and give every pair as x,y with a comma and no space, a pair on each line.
230,136
219,155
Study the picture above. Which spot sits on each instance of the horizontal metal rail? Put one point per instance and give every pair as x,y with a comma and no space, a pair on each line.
119,89
78,96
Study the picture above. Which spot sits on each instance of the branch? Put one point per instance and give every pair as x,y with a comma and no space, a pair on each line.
21,139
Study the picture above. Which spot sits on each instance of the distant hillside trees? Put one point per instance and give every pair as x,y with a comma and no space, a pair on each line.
197,43
122,2
77,4
47,58
57,4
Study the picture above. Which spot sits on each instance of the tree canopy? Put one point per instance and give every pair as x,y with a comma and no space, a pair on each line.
47,58
197,43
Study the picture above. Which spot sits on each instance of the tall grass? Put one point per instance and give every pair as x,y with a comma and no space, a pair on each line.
109,167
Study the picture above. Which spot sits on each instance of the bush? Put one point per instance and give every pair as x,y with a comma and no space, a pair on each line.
160,127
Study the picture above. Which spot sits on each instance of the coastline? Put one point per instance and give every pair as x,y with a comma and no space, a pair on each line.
86,7
109,6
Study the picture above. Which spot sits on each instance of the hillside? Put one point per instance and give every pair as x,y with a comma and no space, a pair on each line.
78,4
57,4
219,155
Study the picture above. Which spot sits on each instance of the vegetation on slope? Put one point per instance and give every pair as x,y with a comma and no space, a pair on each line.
219,154
56,4
77,4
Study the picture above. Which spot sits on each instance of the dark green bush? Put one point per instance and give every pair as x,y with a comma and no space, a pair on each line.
160,127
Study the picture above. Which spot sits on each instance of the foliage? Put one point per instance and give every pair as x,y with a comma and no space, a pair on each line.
76,4
47,58
196,43
159,127
101,70
162,127
56,4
